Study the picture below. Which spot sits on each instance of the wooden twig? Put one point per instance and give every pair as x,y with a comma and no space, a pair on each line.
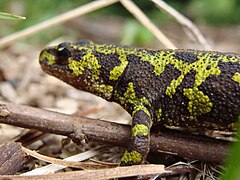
184,21
189,146
92,6
138,170
12,158
142,18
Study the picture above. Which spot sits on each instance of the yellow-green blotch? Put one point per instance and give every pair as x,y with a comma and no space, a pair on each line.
130,97
236,77
159,60
204,67
199,103
171,90
140,129
51,58
132,156
103,90
118,70
88,60
76,66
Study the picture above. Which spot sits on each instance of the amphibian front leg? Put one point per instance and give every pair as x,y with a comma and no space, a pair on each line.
140,138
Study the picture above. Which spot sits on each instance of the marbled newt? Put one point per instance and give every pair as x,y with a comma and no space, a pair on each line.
183,88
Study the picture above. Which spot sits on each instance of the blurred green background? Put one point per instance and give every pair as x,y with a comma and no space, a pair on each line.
218,13
207,12
214,12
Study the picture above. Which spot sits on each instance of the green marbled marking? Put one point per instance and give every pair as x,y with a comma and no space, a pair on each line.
103,90
118,70
77,67
132,156
140,129
159,60
199,103
204,67
130,97
236,77
88,60
51,59
137,99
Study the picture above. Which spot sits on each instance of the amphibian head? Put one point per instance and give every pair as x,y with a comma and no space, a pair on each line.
78,65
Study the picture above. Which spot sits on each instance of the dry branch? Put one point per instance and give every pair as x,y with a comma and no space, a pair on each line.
184,145
12,158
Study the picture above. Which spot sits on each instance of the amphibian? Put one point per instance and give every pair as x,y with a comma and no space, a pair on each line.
183,88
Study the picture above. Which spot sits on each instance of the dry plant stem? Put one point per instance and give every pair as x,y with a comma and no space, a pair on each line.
184,21
142,18
5,41
72,164
52,168
182,144
102,174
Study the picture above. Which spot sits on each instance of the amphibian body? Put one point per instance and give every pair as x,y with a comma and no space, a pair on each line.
184,88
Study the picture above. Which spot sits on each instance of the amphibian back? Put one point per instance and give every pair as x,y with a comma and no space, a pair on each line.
186,88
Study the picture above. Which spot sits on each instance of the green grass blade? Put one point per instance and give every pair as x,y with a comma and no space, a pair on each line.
10,16
232,164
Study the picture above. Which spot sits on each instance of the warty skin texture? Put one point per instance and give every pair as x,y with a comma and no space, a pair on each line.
183,88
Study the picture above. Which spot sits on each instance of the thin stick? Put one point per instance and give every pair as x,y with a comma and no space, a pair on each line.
142,18
79,128
184,21
5,41
137,170
65,163
52,168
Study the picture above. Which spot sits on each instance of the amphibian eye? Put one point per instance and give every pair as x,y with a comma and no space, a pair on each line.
63,53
